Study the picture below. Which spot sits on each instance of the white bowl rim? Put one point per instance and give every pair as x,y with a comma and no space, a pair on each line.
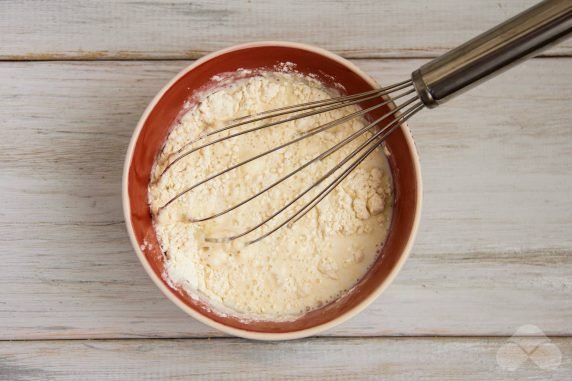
242,332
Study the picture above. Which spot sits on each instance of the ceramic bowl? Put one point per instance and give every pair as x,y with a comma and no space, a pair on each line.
152,130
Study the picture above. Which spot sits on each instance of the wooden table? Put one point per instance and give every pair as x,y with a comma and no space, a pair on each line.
494,251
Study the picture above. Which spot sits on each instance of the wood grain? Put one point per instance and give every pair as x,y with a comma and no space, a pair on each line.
493,253
154,29
319,359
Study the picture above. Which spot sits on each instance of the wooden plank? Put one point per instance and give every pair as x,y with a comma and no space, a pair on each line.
154,29
494,250
440,359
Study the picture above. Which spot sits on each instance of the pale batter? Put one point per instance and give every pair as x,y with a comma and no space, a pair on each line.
298,268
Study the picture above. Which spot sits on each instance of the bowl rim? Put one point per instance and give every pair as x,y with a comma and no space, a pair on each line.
237,331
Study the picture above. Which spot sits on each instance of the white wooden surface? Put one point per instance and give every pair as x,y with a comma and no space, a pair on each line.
403,359
494,251
158,29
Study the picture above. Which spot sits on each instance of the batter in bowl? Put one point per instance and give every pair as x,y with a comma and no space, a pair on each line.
297,268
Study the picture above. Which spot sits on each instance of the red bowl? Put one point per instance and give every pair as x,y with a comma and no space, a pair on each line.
152,131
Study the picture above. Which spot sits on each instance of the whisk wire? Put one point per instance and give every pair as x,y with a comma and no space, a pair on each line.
303,136
299,107
395,123
308,105
400,113
321,156
339,103
312,203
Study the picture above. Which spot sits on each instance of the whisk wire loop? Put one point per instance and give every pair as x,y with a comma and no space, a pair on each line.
379,137
305,135
332,105
321,156
387,95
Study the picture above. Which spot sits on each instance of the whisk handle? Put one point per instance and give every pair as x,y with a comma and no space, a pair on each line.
494,51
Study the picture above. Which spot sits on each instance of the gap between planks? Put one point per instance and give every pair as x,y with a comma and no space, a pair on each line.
88,58
310,338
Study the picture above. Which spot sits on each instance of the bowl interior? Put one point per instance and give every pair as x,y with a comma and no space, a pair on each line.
167,109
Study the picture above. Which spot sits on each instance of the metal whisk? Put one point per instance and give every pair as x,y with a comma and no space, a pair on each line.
431,85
